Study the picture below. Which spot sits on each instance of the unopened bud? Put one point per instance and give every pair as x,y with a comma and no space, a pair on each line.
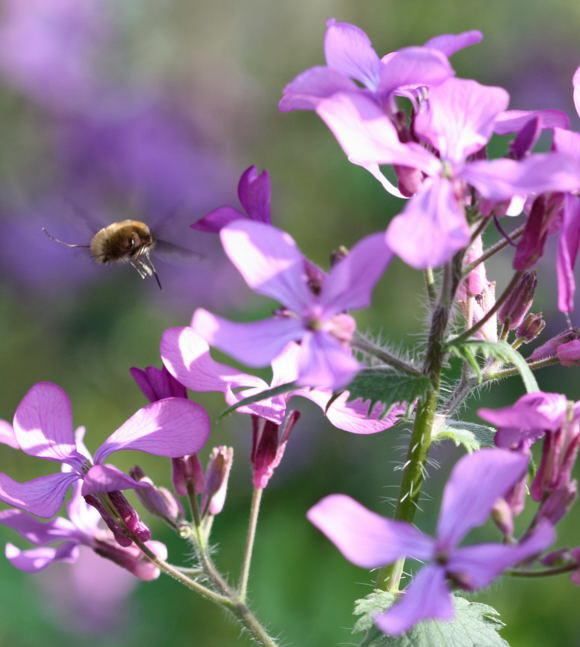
569,353
159,501
551,347
157,384
187,469
216,479
531,245
120,533
519,301
531,327
129,516
525,140
555,506
503,517
131,558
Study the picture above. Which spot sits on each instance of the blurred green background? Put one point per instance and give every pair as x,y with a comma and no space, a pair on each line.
223,64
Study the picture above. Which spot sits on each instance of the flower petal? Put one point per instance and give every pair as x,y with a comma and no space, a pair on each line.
567,142
325,362
186,356
364,537
477,481
431,228
255,343
217,219
413,67
568,245
107,478
426,598
254,192
308,89
451,43
350,283
576,86
460,117
37,559
532,411
512,121
477,566
43,423
42,496
348,50
7,435
269,260
36,531
171,427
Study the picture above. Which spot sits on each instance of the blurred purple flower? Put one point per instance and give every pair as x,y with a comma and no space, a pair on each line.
43,428
371,541
564,346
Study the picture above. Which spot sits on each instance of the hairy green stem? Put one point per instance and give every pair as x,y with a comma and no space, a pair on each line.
251,536
368,347
567,568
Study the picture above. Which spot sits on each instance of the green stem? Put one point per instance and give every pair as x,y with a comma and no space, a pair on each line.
568,568
251,536
540,363
368,347
430,285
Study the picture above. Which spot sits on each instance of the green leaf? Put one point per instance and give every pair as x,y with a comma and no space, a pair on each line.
474,625
382,384
468,434
499,350
258,397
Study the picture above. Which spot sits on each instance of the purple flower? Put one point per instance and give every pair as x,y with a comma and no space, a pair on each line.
80,528
254,192
371,541
43,427
157,384
564,346
314,314
350,55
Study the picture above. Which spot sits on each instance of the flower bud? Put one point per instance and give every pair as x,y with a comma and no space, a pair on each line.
531,245
569,353
551,347
503,517
519,301
129,516
409,179
120,533
159,501
558,502
187,469
157,384
526,139
131,558
216,479
531,327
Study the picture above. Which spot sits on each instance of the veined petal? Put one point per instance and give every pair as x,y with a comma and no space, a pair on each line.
567,142
568,245
42,496
308,89
171,427
426,598
350,283
186,356
364,537
7,435
460,117
269,260
217,219
37,559
255,343
43,423
367,135
451,43
254,192
431,228
35,531
477,566
412,67
532,411
512,121
325,362
476,483
107,478
348,50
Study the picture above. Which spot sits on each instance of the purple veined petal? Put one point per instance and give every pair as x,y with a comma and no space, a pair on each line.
451,43
568,244
349,50
432,226
42,496
43,423
107,478
35,531
325,362
367,135
171,427
352,416
412,67
217,219
426,598
567,142
7,435
364,537
254,192
255,343
285,365
477,481
532,411
308,89
350,282
37,559
269,260
539,173
512,121
186,356
479,565
460,117
576,86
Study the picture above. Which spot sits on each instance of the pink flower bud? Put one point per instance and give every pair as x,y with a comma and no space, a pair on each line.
187,469
503,517
550,348
216,479
531,327
131,558
558,502
159,501
519,301
129,516
569,353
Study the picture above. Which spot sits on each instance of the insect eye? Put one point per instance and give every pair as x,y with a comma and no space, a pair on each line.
131,242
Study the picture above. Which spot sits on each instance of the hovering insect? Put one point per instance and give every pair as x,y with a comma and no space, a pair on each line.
128,241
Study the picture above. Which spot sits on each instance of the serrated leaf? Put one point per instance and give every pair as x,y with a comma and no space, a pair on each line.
467,434
258,397
382,384
499,350
474,625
